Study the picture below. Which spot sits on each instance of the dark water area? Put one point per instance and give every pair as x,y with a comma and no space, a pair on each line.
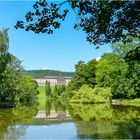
75,121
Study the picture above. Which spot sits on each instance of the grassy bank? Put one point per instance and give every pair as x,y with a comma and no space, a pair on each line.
131,102
42,97
41,94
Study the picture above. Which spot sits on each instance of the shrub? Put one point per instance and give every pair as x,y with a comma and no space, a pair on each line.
88,95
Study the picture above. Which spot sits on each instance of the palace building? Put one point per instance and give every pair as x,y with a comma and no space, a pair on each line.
54,80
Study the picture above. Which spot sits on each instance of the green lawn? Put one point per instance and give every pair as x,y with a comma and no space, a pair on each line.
131,102
41,94
42,97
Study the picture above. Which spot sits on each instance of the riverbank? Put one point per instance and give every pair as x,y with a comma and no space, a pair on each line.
131,102
128,102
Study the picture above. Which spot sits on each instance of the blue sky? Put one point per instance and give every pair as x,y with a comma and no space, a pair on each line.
60,51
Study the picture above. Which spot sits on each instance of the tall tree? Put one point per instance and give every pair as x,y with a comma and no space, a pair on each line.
47,88
14,86
106,21
114,72
122,49
5,56
84,74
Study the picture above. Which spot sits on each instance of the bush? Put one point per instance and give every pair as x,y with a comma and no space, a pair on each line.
88,95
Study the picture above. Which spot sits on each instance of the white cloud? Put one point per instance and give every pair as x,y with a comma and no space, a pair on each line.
98,58
44,68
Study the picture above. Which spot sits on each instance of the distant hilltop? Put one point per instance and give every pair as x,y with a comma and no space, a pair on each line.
43,73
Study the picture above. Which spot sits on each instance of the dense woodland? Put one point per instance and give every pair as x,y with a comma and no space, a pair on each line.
43,73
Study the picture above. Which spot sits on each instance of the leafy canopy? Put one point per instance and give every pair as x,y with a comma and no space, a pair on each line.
106,21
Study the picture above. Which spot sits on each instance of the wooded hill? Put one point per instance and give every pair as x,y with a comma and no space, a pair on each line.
43,73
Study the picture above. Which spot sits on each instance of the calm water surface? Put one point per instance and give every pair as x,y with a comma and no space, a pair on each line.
76,121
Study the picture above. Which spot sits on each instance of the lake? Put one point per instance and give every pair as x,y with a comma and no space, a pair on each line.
59,120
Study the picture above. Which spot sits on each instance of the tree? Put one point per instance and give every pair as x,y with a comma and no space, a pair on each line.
88,95
123,49
113,71
47,88
5,56
55,91
130,53
103,21
133,59
15,87
84,74
133,55
61,89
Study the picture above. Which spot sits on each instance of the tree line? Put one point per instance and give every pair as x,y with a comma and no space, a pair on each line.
43,73
111,77
54,91
15,87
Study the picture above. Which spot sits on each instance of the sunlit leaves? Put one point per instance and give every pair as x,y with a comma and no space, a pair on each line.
103,21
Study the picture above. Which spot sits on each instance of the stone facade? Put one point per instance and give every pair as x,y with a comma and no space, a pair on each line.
58,80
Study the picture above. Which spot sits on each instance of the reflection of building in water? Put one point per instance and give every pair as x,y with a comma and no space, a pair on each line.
59,80
53,115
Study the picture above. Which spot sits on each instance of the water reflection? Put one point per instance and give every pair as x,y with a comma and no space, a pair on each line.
99,112
77,121
54,109
10,118
106,121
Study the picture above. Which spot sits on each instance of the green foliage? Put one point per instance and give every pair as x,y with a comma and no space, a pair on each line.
47,88
105,121
5,56
122,49
43,73
114,72
110,71
88,112
14,86
131,102
84,74
55,91
58,90
61,89
9,117
103,21
88,95
133,55
26,90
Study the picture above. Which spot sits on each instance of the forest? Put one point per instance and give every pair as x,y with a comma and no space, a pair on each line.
43,73
111,77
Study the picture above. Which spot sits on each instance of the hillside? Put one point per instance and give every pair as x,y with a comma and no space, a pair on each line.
43,73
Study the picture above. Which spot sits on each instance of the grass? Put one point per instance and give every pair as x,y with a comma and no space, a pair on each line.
131,102
42,97
41,94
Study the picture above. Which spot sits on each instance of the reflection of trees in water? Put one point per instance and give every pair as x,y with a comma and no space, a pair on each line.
48,107
128,122
106,121
9,118
57,106
15,132
91,112
130,129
